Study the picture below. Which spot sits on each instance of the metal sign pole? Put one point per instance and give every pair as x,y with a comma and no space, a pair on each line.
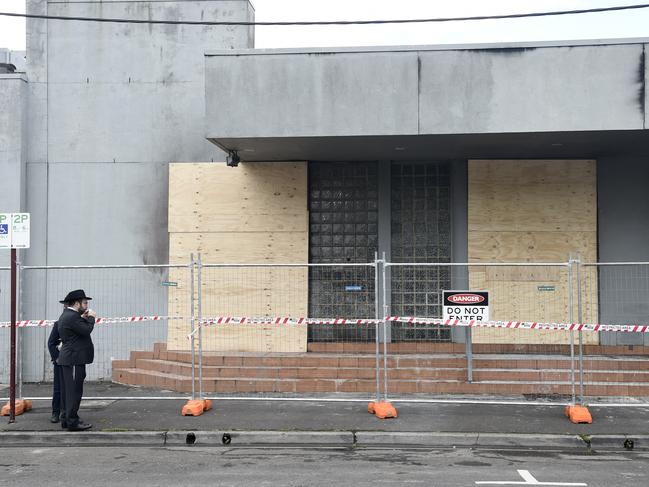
14,234
12,360
20,332
469,353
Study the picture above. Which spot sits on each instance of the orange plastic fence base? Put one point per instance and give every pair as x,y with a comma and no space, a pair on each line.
22,406
382,410
196,407
578,414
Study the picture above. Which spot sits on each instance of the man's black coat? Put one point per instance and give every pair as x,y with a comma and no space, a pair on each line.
75,333
53,342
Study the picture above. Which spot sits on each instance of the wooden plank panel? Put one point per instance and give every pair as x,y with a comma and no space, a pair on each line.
511,172
256,213
255,291
545,337
531,211
561,193
555,209
525,274
255,197
256,338
245,338
521,246
241,248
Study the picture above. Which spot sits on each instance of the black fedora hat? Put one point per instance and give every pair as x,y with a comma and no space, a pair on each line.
76,295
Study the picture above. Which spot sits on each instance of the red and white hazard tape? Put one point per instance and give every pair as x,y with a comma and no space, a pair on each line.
98,321
287,320
521,325
284,320
278,320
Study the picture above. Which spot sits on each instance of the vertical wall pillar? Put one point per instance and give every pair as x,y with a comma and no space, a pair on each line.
13,123
459,234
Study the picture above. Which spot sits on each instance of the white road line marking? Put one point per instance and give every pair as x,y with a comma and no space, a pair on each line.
529,480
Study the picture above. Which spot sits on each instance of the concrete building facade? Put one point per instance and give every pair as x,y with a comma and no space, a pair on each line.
88,131
526,146
488,153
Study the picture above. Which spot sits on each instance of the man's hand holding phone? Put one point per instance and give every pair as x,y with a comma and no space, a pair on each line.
89,313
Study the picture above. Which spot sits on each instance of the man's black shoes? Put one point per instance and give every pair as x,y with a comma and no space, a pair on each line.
54,418
80,426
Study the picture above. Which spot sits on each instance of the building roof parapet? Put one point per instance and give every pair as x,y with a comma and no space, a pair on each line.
435,47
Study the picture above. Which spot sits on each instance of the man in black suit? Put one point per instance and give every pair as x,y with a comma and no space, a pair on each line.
75,326
53,346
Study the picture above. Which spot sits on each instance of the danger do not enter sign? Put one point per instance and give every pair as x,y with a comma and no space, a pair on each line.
466,305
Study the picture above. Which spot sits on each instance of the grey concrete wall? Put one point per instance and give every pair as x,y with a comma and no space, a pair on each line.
623,200
397,91
312,94
110,105
460,235
13,131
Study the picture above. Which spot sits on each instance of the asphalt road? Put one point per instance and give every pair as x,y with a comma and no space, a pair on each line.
188,466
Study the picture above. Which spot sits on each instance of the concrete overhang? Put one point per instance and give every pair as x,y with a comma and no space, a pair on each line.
562,99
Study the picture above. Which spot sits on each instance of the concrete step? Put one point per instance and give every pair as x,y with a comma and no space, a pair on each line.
238,385
159,380
560,362
480,361
439,373
486,348
549,375
306,360
433,373
211,371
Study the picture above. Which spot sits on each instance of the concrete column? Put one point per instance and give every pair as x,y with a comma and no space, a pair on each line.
13,92
459,234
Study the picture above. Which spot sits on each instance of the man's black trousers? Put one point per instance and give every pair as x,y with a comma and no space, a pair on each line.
57,398
72,390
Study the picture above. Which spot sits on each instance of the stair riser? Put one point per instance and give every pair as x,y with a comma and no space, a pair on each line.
365,386
393,374
400,362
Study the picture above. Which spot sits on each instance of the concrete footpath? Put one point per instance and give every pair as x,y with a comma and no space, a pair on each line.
158,422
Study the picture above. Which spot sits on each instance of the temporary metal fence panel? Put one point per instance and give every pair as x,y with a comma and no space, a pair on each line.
524,348
151,291
263,292
620,292
495,357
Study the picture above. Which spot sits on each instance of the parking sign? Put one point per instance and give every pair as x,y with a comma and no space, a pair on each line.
5,231
14,230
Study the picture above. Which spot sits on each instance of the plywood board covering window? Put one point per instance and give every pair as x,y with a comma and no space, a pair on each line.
531,211
255,213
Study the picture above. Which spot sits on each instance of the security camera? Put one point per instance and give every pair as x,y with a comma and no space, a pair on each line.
233,159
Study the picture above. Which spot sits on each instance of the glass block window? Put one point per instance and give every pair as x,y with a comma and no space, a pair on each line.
343,219
421,232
